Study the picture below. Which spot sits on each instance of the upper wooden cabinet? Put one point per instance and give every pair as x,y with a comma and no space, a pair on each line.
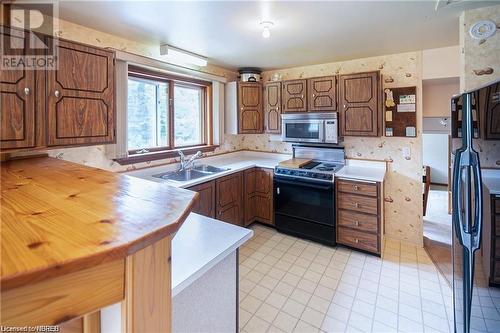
322,93
294,96
272,107
229,198
81,96
17,100
250,114
360,104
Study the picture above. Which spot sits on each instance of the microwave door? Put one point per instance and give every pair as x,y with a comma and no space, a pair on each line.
303,130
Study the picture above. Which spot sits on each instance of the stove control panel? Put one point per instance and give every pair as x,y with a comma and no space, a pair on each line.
303,174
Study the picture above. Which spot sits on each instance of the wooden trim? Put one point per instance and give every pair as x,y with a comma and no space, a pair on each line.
148,298
92,322
139,158
63,298
157,75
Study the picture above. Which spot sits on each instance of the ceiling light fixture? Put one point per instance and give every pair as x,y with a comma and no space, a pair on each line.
177,55
266,28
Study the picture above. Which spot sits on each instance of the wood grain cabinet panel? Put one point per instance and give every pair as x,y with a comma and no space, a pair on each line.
17,99
349,186
360,104
272,107
81,96
359,221
229,198
294,95
358,203
494,278
360,240
205,205
258,195
322,93
250,114
488,101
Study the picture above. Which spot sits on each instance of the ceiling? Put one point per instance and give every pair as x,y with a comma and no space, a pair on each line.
304,32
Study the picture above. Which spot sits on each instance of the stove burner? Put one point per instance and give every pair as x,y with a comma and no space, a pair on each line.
324,168
329,165
310,165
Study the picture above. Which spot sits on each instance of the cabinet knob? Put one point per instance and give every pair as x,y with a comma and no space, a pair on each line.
314,95
356,187
356,240
220,213
57,93
241,109
357,205
356,223
302,96
26,91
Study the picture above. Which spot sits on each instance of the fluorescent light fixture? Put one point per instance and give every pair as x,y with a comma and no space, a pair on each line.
177,55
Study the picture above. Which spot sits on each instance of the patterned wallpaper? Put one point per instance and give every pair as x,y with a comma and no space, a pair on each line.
480,64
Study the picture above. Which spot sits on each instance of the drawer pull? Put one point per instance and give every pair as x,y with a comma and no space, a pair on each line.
356,223
356,187
356,240
357,205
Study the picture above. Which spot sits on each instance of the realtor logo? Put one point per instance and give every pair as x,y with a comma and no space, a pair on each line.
24,44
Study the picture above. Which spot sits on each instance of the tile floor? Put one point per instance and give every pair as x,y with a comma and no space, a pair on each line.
293,285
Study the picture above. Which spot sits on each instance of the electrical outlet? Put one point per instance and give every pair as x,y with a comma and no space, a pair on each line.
406,152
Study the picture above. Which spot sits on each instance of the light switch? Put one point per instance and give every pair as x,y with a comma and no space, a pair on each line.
406,151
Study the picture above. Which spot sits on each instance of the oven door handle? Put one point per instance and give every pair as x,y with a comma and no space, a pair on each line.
303,184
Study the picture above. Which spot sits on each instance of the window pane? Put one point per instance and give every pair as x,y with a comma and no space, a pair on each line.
188,114
147,114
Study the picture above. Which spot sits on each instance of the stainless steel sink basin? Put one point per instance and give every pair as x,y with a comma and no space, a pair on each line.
197,171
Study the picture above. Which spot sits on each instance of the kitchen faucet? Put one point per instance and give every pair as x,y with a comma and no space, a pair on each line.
188,164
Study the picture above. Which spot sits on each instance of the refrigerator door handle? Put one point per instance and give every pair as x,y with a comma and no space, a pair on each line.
478,207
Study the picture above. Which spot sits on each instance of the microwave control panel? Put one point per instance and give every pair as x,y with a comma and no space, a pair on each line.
331,131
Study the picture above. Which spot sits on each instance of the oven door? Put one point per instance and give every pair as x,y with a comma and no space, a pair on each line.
305,208
303,130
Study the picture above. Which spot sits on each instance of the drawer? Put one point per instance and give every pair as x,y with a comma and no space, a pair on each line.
496,219
357,187
497,205
358,239
358,203
358,221
497,247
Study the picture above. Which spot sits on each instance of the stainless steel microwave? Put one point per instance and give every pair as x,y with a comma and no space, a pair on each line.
309,127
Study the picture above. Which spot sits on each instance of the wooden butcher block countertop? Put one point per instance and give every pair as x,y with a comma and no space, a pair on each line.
58,217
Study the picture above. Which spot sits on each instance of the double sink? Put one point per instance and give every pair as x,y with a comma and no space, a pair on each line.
197,171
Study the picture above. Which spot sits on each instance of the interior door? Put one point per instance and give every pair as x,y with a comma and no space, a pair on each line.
250,107
81,97
17,98
272,108
322,93
359,104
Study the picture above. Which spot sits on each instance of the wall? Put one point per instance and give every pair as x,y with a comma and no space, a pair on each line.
435,155
440,63
437,95
477,58
403,192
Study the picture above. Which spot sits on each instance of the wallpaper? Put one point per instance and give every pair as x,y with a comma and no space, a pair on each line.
481,65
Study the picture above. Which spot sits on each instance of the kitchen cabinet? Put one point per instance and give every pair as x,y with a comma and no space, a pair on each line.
80,101
229,198
250,114
494,246
322,93
205,205
294,95
490,111
359,215
258,191
360,104
272,107
72,105
17,100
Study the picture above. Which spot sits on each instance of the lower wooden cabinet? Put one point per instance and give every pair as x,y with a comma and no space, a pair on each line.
359,215
229,198
258,196
205,205
494,278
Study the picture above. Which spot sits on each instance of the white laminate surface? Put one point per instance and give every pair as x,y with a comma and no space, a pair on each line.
363,170
234,162
491,179
199,245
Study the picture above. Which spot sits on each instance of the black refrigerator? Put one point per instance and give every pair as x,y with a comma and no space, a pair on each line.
475,117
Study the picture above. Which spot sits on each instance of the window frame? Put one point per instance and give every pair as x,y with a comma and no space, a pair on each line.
156,153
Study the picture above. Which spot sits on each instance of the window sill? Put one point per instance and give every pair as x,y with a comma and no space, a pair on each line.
159,155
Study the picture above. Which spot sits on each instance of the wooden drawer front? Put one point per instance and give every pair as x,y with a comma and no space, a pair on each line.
358,221
497,248
495,274
358,203
497,205
357,187
358,239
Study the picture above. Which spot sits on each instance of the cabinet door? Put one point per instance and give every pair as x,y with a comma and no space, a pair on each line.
360,113
272,108
81,96
322,93
250,113
294,96
263,199
205,205
17,99
229,198
249,195
491,109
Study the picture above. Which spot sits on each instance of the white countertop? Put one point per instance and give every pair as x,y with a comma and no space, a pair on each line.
199,245
241,160
363,170
235,162
491,179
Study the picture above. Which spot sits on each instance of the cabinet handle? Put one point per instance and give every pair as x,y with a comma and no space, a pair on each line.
356,223
26,91
56,93
314,95
220,213
356,240
356,187
302,96
277,190
357,205
277,108
241,109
